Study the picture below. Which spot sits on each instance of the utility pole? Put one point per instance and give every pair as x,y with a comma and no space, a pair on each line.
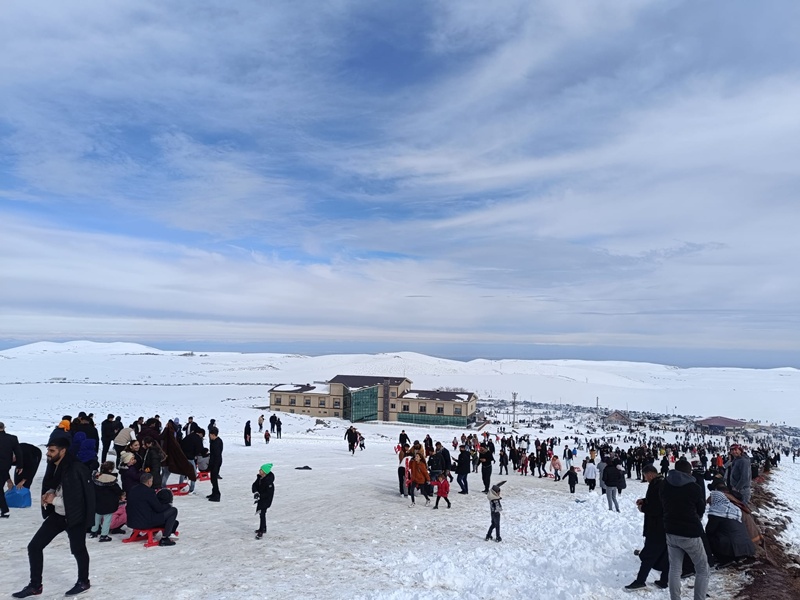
514,408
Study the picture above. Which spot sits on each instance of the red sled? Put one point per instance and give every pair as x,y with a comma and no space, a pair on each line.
203,476
178,489
140,535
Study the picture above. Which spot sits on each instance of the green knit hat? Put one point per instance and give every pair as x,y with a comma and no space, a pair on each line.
266,468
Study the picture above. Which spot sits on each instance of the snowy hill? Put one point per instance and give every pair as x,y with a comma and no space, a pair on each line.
757,394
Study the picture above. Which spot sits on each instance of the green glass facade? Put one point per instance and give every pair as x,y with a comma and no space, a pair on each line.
362,405
425,419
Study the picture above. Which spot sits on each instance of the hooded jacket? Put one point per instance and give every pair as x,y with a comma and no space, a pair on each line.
106,493
683,505
494,501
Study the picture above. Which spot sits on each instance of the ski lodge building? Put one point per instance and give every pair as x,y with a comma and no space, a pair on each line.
367,398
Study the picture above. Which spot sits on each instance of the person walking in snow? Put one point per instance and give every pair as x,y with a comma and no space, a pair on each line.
215,462
261,424
418,478
278,426
572,479
67,505
590,475
247,433
503,461
263,489
555,464
486,459
495,509
442,490
463,469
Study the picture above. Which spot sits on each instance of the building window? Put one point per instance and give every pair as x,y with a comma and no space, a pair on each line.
277,399
292,401
291,410
406,408
456,410
336,414
392,394
422,408
337,404
439,409
322,402
393,406
307,401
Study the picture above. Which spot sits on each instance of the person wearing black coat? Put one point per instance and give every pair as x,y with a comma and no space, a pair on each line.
682,501
108,431
10,453
145,511
611,478
247,432
67,505
263,491
107,494
192,447
152,458
214,463
463,468
654,553
31,458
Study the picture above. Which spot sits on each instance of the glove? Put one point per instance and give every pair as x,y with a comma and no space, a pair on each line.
256,498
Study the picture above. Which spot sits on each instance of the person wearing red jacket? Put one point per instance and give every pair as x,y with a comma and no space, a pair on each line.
442,490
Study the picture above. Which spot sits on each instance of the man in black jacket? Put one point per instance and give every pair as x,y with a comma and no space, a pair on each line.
10,453
192,446
67,505
108,431
145,511
215,462
463,467
682,501
654,553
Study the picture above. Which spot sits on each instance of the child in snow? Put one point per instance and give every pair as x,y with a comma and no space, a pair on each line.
266,437
107,494
523,464
442,490
572,479
361,442
495,508
263,490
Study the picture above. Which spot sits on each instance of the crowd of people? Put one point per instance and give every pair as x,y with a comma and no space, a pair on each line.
678,475
86,495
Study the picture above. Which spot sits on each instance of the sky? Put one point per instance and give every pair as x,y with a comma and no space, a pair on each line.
605,180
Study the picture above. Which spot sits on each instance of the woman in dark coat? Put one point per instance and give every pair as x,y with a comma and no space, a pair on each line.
247,433
263,490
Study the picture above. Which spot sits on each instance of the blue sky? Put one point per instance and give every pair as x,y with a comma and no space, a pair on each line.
525,179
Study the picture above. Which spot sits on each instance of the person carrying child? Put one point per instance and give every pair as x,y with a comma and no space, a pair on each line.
107,496
495,508
442,490
263,491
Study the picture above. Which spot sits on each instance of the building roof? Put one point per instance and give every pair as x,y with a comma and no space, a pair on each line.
438,395
362,381
618,416
301,388
720,422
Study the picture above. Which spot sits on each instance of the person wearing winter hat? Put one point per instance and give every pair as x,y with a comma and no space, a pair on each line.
263,490
495,508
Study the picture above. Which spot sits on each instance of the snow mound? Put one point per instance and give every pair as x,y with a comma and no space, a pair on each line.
80,347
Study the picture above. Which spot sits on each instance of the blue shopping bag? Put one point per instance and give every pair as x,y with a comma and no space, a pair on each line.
18,498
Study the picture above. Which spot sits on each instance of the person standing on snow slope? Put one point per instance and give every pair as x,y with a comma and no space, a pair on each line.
215,462
486,459
463,467
351,435
263,489
247,432
67,505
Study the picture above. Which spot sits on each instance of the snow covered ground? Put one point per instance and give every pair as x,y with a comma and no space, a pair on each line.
341,529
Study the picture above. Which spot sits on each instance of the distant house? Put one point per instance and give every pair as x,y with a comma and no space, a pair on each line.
617,418
719,425
368,398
